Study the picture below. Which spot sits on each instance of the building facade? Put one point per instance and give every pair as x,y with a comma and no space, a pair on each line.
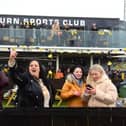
84,41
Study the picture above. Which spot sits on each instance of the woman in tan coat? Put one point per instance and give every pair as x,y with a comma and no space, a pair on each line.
102,92
74,87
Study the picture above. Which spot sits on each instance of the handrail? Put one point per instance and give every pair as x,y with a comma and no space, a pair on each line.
70,38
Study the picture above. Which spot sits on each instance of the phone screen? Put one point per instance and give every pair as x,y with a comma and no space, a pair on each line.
89,87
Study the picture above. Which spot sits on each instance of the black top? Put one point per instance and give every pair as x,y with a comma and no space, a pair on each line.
29,92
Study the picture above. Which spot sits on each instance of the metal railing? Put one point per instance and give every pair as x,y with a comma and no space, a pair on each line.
64,38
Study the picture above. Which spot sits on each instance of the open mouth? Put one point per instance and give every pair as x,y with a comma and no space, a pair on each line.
33,70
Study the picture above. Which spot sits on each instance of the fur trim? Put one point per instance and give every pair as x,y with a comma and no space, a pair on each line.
70,78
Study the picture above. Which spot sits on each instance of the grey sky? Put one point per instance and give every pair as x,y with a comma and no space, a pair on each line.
77,8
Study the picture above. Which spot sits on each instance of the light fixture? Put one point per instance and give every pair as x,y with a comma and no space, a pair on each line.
50,55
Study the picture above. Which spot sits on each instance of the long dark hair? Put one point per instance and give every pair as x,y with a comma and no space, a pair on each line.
43,72
82,68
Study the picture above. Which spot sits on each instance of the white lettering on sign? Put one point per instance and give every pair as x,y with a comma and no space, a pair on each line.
39,21
45,21
74,22
2,20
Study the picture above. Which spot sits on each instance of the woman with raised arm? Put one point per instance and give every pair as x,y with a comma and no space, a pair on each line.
34,88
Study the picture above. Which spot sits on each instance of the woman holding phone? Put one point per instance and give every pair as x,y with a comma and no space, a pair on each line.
100,91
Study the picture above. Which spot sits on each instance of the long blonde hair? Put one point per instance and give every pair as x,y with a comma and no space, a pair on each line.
99,68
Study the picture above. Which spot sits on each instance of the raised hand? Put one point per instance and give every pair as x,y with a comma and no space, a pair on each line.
13,54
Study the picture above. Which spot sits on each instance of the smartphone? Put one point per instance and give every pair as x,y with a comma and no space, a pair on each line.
89,87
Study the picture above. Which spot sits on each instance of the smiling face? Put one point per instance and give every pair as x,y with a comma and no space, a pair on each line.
95,74
78,73
34,68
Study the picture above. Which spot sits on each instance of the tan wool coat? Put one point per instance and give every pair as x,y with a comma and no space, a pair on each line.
106,94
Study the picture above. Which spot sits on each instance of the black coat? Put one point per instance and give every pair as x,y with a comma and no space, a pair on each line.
3,83
29,92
